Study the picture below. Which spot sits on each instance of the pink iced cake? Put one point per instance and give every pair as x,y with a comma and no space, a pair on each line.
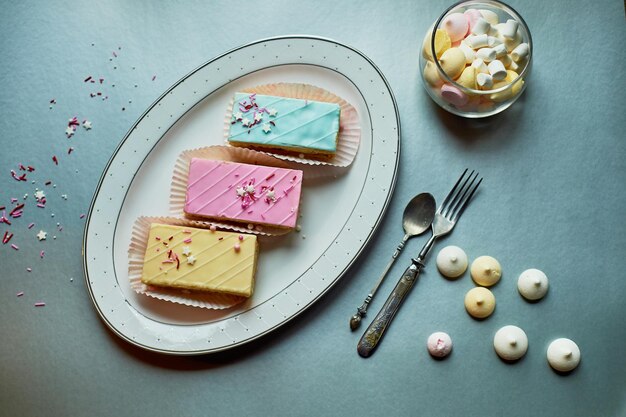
253,194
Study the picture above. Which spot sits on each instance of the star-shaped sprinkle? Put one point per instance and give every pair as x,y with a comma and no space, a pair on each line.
271,195
241,192
87,124
186,251
267,128
272,112
238,115
191,260
69,132
245,121
258,117
39,194
250,189
42,235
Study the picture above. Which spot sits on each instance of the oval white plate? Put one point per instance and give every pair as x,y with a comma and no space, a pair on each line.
339,214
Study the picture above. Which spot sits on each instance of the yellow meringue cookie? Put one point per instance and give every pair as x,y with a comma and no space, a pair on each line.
468,78
453,62
442,43
511,76
431,74
480,302
486,271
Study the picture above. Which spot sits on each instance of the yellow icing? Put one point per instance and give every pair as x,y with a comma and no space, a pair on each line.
218,265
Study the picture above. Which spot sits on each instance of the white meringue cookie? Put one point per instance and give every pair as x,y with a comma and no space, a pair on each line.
510,343
532,284
563,355
452,261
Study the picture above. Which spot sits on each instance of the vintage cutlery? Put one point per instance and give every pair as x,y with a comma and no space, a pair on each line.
445,218
416,219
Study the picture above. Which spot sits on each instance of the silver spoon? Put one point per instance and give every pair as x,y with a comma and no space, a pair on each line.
417,217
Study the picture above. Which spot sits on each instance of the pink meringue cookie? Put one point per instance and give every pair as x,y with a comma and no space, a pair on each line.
472,16
457,25
439,344
453,95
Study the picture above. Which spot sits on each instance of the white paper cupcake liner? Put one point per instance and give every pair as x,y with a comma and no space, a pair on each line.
136,254
221,153
349,125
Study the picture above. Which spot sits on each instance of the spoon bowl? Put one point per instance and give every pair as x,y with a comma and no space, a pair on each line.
419,214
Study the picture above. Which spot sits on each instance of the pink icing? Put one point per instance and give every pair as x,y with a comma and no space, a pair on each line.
243,192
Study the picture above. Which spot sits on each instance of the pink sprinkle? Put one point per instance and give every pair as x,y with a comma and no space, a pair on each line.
237,247
40,304
29,269
21,293
114,54
213,228
168,261
40,205
187,240
82,216
13,199
7,237
240,237
186,231
41,254
30,226
14,246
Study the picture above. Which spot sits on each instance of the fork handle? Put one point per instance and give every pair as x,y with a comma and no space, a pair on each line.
377,328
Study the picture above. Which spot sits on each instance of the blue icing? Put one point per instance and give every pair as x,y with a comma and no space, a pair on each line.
297,123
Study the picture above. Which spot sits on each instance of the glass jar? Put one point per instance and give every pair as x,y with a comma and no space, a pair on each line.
459,53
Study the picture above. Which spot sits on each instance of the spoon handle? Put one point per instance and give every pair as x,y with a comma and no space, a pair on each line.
376,330
355,320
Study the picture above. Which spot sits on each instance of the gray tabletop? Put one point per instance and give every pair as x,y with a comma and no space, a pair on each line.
553,198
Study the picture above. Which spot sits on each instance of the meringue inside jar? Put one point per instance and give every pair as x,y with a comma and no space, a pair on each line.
476,58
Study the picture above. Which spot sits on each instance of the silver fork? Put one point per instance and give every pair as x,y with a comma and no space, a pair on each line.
445,218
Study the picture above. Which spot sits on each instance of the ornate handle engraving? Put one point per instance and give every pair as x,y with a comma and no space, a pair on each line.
375,331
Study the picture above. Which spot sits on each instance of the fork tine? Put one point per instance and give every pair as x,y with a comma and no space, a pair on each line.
451,193
467,199
461,194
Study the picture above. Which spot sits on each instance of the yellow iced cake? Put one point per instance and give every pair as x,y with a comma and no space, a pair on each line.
200,260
